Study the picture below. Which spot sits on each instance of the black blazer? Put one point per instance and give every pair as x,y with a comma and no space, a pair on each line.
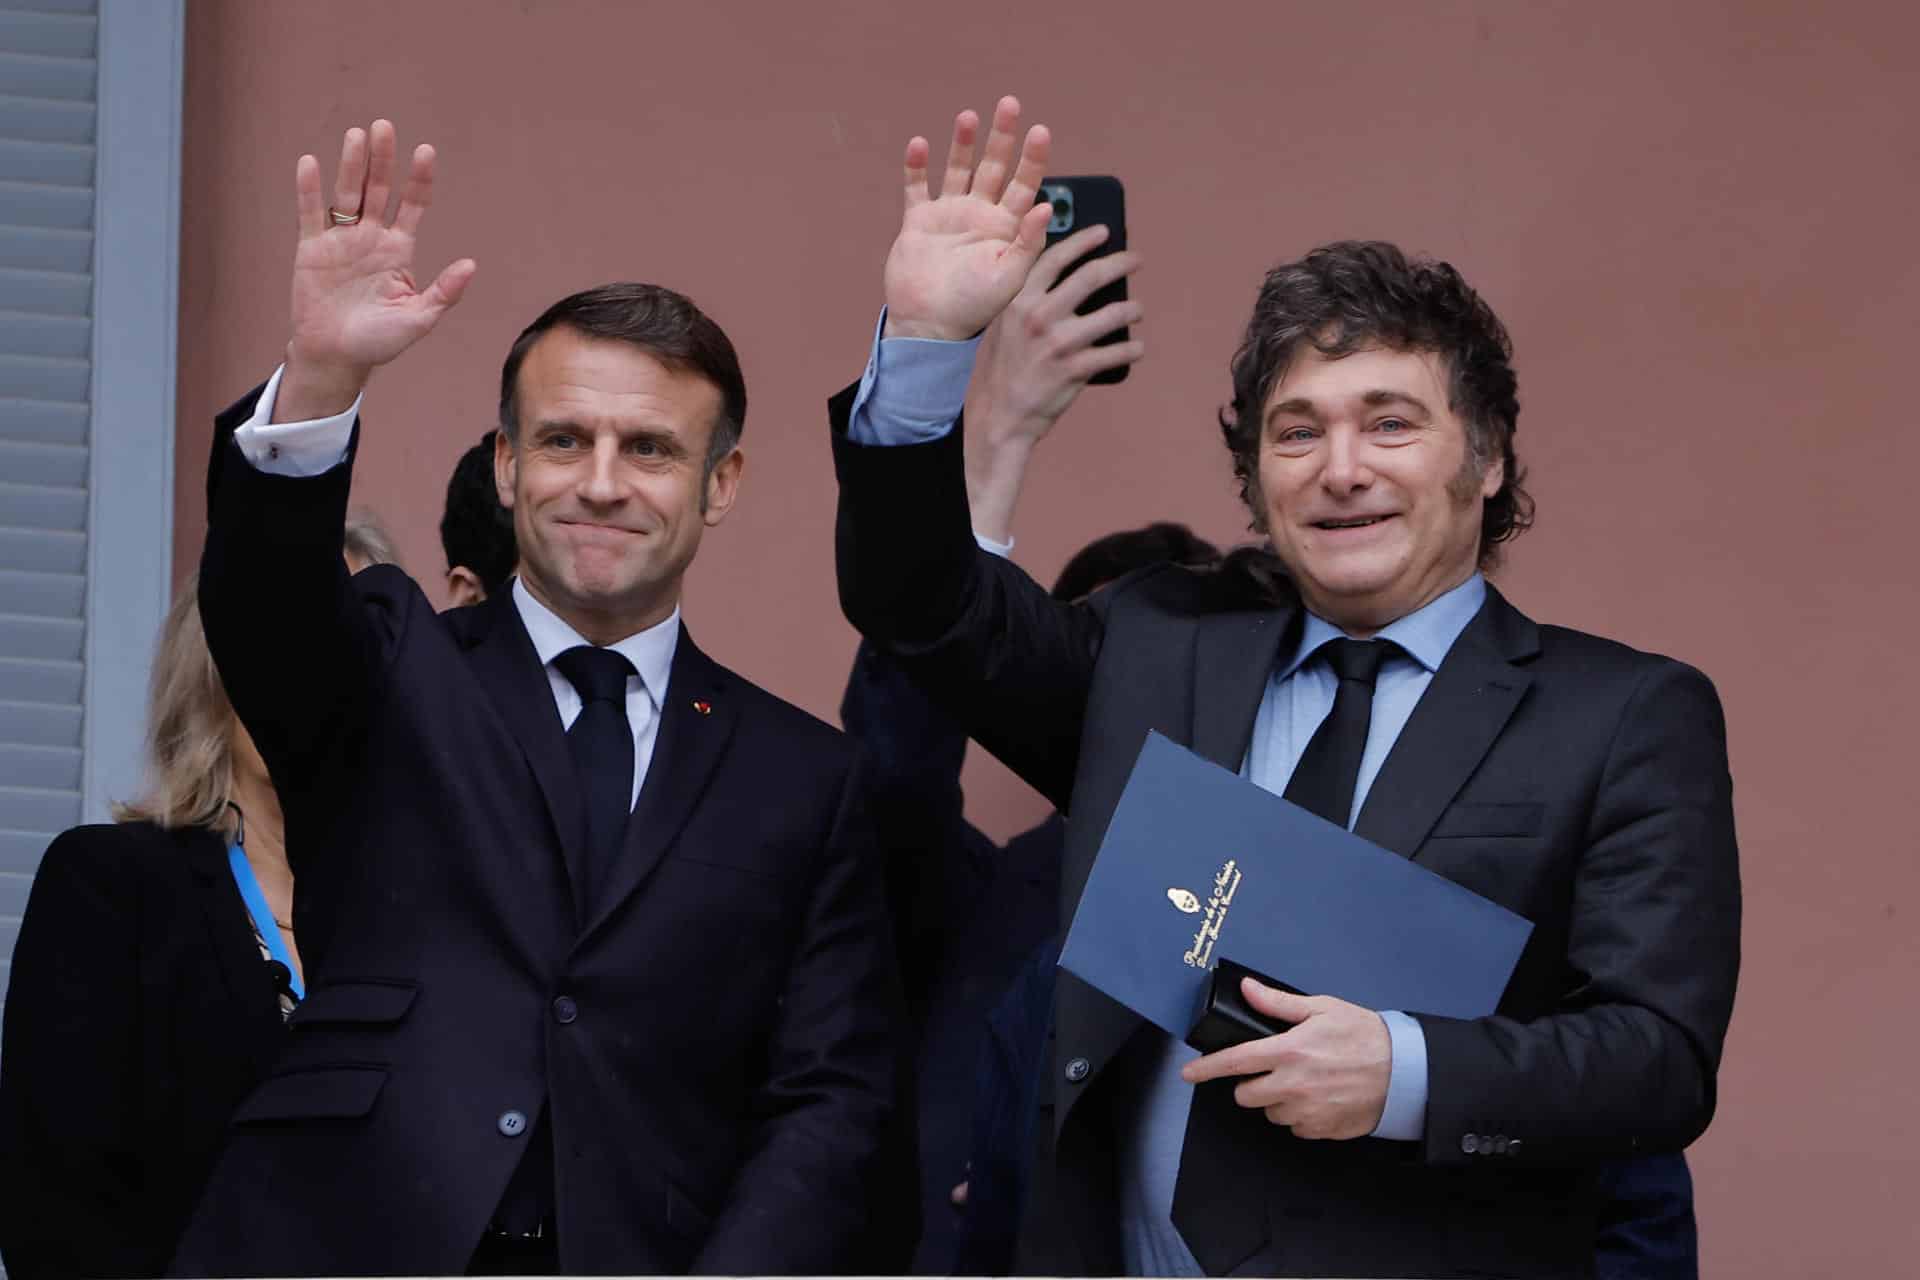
711,1040
139,1014
1571,779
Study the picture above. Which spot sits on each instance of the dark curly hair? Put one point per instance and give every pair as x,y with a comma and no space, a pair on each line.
1354,294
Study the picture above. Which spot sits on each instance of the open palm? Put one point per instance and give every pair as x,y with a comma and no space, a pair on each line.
963,253
355,302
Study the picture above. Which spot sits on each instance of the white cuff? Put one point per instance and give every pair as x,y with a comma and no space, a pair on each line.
988,545
294,448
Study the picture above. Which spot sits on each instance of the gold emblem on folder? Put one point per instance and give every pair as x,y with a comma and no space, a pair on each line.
1224,886
1184,900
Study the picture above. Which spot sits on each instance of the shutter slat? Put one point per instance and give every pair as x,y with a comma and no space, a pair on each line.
18,849
63,79
45,378
40,724
45,120
60,293
29,506
56,768
62,337
27,809
43,550
42,463
27,204
46,595
47,249
42,421
55,638
47,35
58,164
26,680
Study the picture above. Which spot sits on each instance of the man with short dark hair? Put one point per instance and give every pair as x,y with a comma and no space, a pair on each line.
599,972
1379,682
476,532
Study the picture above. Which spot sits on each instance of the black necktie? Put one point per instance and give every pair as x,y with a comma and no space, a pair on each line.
1323,781
601,743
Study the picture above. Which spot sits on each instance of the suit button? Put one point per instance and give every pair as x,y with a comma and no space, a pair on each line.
512,1123
565,1010
1078,1069
1470,1143
1513,1147
1500,1144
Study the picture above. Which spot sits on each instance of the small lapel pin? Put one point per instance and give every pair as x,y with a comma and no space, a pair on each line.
704,708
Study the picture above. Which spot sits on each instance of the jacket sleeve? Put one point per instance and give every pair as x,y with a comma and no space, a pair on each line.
1627,1064
1011,665
71,1193
820,1155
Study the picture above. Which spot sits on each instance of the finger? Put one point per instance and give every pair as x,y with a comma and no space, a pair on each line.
1095,360
307,198
447,288
1033,167
350,179
966,129
1091,277
415,200
1277,1004
1059,257
380,151
990,179
1235,1060
916,171
1029,240
1077,332
1283,1114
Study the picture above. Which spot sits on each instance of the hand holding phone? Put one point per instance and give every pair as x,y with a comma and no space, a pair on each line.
1089,201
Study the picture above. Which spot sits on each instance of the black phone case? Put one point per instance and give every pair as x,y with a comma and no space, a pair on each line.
1225,1018
1097,198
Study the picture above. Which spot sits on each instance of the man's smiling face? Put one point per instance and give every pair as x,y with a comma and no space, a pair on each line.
608,481
1372,495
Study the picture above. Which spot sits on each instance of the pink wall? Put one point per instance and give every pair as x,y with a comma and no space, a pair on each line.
1697,220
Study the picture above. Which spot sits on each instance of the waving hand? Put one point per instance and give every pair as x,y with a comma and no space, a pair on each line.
355,303
965,249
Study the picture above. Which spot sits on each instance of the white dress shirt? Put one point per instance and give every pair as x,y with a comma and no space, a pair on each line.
311,448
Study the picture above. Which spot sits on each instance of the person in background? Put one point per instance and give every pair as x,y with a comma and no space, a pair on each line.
155,967
367,542
476,532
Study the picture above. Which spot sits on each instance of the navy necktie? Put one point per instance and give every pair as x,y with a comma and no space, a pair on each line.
601,743
1324,780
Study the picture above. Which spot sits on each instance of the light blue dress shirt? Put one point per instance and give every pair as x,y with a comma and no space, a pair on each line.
912,393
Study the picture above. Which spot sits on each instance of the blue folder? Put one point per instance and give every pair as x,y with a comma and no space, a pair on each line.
1198,863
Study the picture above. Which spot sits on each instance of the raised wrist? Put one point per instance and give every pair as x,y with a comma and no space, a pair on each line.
312,388
898,326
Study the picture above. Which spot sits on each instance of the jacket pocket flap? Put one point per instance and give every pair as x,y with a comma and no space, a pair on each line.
364,1001
1491,820
318,1093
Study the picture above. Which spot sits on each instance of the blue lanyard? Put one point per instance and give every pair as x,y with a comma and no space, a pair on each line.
262,914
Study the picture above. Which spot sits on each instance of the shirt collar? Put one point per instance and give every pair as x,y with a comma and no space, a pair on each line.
650,651
1426,634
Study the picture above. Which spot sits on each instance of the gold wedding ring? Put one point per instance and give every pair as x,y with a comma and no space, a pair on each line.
339,219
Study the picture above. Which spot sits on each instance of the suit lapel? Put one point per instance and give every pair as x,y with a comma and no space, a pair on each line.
1472,696
510,671
1234,655
697,717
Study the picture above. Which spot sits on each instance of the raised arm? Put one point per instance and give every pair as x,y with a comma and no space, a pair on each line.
296,646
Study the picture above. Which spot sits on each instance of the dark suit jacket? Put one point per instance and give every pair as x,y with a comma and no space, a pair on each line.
711,1040
139,1014
1571,779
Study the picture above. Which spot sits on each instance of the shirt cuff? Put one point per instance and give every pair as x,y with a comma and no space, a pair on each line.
294,448
1404,1118
921,394
988,545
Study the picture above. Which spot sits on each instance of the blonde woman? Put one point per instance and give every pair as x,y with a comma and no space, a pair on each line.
155,967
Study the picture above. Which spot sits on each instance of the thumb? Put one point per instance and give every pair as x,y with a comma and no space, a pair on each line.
1030,239
1284,1005
449,286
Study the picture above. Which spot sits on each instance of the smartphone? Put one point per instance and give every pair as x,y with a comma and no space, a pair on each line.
1081,202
